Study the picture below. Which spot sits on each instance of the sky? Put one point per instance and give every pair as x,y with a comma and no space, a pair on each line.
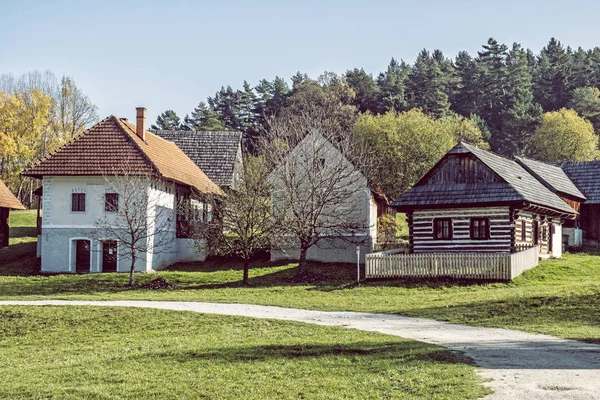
173,54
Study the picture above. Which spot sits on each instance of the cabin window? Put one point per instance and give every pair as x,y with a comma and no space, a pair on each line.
78,202
480,228
536,232
523,230
111,202
442,228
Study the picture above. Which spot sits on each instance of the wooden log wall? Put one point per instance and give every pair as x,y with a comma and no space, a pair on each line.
4,222
544,230
421,231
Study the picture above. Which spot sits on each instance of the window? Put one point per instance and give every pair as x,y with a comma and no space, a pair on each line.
78,202
111,202
480,228
442,228
523,230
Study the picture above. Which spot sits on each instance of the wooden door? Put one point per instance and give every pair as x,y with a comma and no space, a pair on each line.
109,256
4,227
82,256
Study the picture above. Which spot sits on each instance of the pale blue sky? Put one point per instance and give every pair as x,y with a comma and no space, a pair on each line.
173,54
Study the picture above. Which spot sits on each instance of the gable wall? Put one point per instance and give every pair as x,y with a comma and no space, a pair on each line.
462,169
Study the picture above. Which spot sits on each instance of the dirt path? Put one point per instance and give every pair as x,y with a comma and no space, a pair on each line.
520,365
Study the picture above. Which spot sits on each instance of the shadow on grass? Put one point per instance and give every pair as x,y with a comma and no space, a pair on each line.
23,231
404,352
19,259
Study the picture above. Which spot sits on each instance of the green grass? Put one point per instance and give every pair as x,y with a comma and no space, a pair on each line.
560,297
110,353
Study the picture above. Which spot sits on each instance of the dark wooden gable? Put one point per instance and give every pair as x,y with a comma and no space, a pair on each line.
460,168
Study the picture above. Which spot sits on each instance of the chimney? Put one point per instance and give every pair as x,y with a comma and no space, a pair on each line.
140,123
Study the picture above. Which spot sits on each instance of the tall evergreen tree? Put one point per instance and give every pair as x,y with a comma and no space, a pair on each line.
522,115
168,120
552,87
204,118
391,83
466,92
493,79
426,87
367,91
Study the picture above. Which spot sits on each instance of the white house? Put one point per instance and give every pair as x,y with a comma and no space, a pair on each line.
316,182
83,187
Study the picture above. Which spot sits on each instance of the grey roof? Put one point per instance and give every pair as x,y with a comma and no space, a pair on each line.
215,152
586,176
517,185
552,176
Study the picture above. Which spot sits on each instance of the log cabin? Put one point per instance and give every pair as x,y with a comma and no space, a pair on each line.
556,180
474,201
7,202
586,176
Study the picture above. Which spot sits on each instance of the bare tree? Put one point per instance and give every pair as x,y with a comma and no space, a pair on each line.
139,215
74,111
244,224
317,184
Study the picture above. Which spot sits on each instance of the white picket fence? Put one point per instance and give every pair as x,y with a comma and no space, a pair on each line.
454,265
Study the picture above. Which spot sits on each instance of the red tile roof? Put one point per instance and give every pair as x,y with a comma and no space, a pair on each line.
8,200
112,146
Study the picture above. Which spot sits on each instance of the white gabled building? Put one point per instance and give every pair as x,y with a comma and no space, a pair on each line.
81,186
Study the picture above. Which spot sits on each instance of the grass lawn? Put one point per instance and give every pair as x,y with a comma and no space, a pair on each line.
560,297
109,353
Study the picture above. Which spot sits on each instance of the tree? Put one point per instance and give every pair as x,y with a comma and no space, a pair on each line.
522,115
204,118
316,187
408,144
465,99
329,94
391,85
552,76
586,101
168,121
427,84
367,91
563,136
138,221
74,111
244,224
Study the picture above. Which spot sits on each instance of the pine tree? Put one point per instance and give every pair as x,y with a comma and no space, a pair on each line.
367,91
391,83
522,115
426,87
551,79
204,118
466,93
168,120
493,77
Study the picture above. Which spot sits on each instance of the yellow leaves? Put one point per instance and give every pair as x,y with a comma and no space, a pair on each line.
563,136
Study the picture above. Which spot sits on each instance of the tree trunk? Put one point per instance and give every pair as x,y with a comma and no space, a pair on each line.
302,260
246,268
132,272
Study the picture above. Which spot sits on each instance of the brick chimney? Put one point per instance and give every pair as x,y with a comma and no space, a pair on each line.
140,123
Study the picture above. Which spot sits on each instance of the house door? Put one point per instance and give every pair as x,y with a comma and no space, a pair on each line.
550,237
82,256
109,256
536,232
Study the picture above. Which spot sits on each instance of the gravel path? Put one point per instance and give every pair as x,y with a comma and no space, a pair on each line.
520,365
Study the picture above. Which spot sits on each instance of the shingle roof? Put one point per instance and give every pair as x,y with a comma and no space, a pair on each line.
214,152
586,176
8,200
112,144
517,185
551,175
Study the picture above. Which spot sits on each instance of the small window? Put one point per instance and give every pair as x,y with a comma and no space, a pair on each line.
480,228
523,230
442,228
78,202
111,202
